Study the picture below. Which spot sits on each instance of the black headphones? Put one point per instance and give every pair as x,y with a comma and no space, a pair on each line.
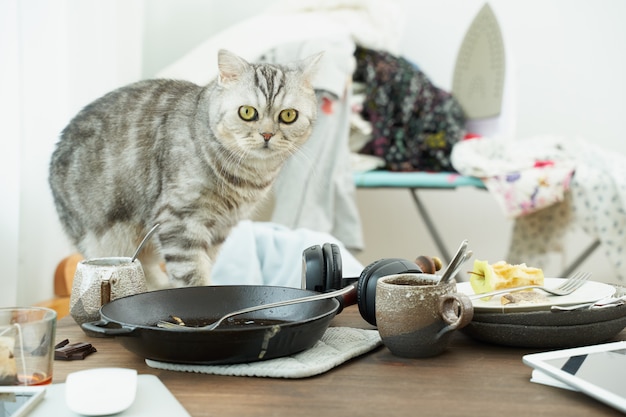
322,272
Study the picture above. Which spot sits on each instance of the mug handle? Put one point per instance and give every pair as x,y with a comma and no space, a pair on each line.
456,310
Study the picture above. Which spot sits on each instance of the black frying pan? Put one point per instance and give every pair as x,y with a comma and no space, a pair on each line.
261,335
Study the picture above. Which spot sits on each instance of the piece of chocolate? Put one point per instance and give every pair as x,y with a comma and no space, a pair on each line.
80,355
73,351
61,344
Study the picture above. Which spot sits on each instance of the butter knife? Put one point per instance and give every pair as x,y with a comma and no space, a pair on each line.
604,303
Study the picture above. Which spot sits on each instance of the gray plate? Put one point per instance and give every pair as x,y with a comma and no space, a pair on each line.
545,336
548,318
545,329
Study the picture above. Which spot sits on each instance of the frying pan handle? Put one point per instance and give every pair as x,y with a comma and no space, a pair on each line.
100,328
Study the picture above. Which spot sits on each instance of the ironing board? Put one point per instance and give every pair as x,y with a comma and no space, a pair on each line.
415,181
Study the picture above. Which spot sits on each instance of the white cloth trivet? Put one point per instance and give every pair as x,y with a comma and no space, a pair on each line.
337,345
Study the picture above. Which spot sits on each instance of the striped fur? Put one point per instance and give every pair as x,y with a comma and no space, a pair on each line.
174,153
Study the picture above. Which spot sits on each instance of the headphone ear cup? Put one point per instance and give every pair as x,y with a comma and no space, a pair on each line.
313,264
366,287
332,259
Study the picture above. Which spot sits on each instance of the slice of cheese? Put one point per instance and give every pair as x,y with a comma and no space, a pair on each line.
487,277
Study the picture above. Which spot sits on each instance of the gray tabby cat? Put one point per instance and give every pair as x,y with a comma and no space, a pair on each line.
194,159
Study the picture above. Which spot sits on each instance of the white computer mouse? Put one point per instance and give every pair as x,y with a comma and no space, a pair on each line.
100,391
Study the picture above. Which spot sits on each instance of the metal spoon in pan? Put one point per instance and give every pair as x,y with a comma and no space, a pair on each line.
169,325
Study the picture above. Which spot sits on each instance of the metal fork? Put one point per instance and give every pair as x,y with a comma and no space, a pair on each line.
567,287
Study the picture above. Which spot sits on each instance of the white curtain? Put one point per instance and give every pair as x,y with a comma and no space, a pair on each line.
55,57
9,167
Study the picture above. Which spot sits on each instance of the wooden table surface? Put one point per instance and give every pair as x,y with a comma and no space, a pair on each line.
470,379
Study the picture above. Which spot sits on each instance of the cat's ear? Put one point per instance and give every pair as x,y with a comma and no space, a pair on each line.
310,65
230,66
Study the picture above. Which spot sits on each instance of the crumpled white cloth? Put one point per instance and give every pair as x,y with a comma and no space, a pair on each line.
265,253
374,24
337,345
596,201
523,176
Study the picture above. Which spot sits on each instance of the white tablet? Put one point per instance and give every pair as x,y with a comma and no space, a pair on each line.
596,370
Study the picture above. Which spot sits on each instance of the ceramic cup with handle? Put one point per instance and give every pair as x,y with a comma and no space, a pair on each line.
416,317
98,281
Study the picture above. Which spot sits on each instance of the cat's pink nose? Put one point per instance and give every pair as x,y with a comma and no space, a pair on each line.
267,135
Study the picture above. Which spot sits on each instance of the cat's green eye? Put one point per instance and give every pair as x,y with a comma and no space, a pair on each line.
248,113
288,116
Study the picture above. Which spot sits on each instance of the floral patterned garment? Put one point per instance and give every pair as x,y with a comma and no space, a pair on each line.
523,176
414,123
546,200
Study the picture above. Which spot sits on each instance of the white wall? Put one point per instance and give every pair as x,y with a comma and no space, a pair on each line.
172,28
9,168
570,64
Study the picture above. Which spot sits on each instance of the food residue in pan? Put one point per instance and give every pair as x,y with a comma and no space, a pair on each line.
232,322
